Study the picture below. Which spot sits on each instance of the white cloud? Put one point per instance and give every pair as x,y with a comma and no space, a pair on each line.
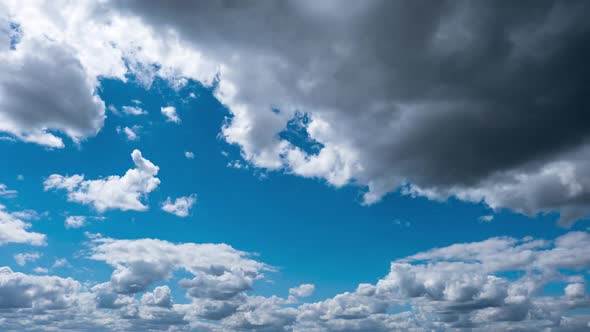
300,291
5,192
22,258
170,113
75,221
60,262
491,285
18,290
486,218
40,270
133,110
181,205
15,230
114,192
189,155
131,134
139,263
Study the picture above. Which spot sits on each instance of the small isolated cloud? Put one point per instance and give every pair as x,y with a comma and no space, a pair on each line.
133,110
75,221
20,177
131,133
402,223
22,258
170,114
486,218
181,206
125,192
237,164
189,155
60,262
40,270
5,192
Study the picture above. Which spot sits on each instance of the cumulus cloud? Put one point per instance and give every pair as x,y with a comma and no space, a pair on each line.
22,258
114,192
131,133
139,263
170,113
18,290
301,291
15,230
189,155
181,206
133,110
491,285
75,221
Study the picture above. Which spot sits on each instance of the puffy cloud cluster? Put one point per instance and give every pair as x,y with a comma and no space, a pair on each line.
492,285
114,192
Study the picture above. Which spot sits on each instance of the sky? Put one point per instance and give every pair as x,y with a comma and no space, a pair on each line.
294,166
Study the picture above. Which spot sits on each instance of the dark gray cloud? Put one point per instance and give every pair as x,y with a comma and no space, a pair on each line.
451,97
44,89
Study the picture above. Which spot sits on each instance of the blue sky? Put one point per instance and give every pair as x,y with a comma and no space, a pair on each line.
234,186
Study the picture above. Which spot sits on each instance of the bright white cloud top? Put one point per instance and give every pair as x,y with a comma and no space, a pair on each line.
114,192
170,113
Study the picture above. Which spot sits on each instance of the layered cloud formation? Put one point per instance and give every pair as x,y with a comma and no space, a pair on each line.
492,285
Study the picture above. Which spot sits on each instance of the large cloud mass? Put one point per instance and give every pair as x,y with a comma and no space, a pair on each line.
492,285
484,102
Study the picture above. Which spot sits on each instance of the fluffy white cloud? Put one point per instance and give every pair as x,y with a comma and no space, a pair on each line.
491,285
181,206
22,258
131,134
170,113
133,110
189,155
301,291
139,263
114,192
18,290
15,230
75,221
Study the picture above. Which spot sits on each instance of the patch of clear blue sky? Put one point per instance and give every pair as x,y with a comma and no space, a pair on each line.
311,232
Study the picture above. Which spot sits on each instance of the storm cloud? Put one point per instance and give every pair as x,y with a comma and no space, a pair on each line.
438,99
